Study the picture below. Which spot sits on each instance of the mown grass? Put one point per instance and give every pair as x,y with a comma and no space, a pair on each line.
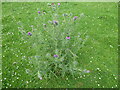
99,54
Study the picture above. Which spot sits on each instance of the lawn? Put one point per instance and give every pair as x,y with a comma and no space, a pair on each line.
99,54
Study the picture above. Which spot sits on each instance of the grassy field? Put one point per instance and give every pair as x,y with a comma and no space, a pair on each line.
99,55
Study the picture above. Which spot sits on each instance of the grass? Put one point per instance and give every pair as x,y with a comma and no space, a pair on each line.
99,55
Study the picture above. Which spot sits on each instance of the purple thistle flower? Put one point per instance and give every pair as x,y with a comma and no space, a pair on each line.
75,17
58,3
55,22
39,12
67,37
55,55
29,33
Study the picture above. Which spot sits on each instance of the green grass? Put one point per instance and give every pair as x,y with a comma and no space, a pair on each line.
100,50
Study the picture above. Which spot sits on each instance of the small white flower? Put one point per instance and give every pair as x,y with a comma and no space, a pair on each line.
86,71
39,75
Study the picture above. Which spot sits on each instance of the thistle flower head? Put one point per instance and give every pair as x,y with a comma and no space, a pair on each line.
52,4
75,17
67,37
55,55
58,3
29,33
39,12
55,22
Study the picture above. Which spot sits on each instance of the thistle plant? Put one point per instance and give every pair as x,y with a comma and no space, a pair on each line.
56,43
